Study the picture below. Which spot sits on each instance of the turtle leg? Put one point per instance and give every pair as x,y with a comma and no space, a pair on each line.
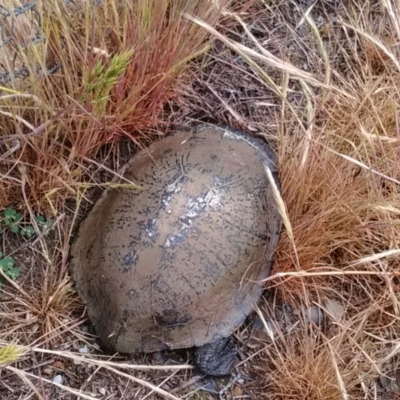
216,358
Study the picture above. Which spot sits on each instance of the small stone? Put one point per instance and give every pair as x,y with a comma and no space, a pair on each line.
237,390
58,379
58,365
334,309
84,349
389,384
313,314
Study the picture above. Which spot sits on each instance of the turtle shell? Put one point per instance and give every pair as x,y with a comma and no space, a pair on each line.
179,262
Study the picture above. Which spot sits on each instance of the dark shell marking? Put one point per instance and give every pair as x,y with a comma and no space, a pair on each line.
176,264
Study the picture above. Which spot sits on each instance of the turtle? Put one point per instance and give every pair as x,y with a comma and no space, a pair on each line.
178,261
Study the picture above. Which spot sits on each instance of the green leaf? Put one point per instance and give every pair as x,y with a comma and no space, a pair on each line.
40,220
6,264
14,273
29,230
17,217
9,213
14,228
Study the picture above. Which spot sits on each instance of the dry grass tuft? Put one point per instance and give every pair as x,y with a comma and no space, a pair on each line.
303,368
42,306
112,70
338,158
341,179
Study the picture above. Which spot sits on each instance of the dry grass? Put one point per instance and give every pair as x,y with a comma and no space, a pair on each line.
119,62
338,142
324,90
304,368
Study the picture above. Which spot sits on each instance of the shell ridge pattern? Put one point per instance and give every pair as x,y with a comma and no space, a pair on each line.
181,262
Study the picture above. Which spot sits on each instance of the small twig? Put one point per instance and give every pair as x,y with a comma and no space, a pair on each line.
16,146
77,393
190,382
